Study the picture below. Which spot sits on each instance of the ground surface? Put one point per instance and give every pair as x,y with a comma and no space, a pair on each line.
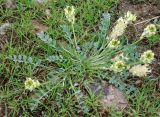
29,18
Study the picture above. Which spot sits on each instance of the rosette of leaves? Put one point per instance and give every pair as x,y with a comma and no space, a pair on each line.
90,58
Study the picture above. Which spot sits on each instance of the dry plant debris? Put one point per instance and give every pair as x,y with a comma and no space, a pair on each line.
3,27
10,4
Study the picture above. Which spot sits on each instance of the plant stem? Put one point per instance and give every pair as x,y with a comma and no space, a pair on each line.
75,39
138,40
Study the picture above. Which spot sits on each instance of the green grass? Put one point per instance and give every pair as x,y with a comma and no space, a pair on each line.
60,97
144,104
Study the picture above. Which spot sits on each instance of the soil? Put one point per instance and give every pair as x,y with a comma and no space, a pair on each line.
149,10
156,64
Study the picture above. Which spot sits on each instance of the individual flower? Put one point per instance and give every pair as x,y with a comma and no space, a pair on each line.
147,57
114,43
140,70
149,31
70,14
118,66
37,83
130,17
119,28
31,84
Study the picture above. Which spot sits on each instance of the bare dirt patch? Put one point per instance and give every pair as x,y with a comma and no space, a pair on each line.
10,4
146,12
39,26
156,64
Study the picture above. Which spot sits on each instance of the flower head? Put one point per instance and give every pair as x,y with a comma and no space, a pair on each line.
31,84
130,17
147,57
118,66
113,43
70,14
121,25
119,28
149,31
140,70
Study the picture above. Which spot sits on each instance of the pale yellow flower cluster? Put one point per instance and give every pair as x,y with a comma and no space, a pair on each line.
147,57
118,29
143,70
114,43
121,25
140,70
31,84
70,14
118,66
149,31
137,70
130,17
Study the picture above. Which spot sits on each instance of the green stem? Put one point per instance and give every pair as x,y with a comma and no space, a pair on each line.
67,51
136,63
75,39
138,40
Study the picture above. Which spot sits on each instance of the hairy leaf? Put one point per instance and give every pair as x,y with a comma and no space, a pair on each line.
105,23
67,33
46,39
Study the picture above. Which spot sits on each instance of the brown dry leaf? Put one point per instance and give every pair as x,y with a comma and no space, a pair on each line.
111,96
10,4
39,26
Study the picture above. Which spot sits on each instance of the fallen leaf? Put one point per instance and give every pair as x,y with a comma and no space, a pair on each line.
76,84
10,4
41,1
3,27
48,13
39,26
111,96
